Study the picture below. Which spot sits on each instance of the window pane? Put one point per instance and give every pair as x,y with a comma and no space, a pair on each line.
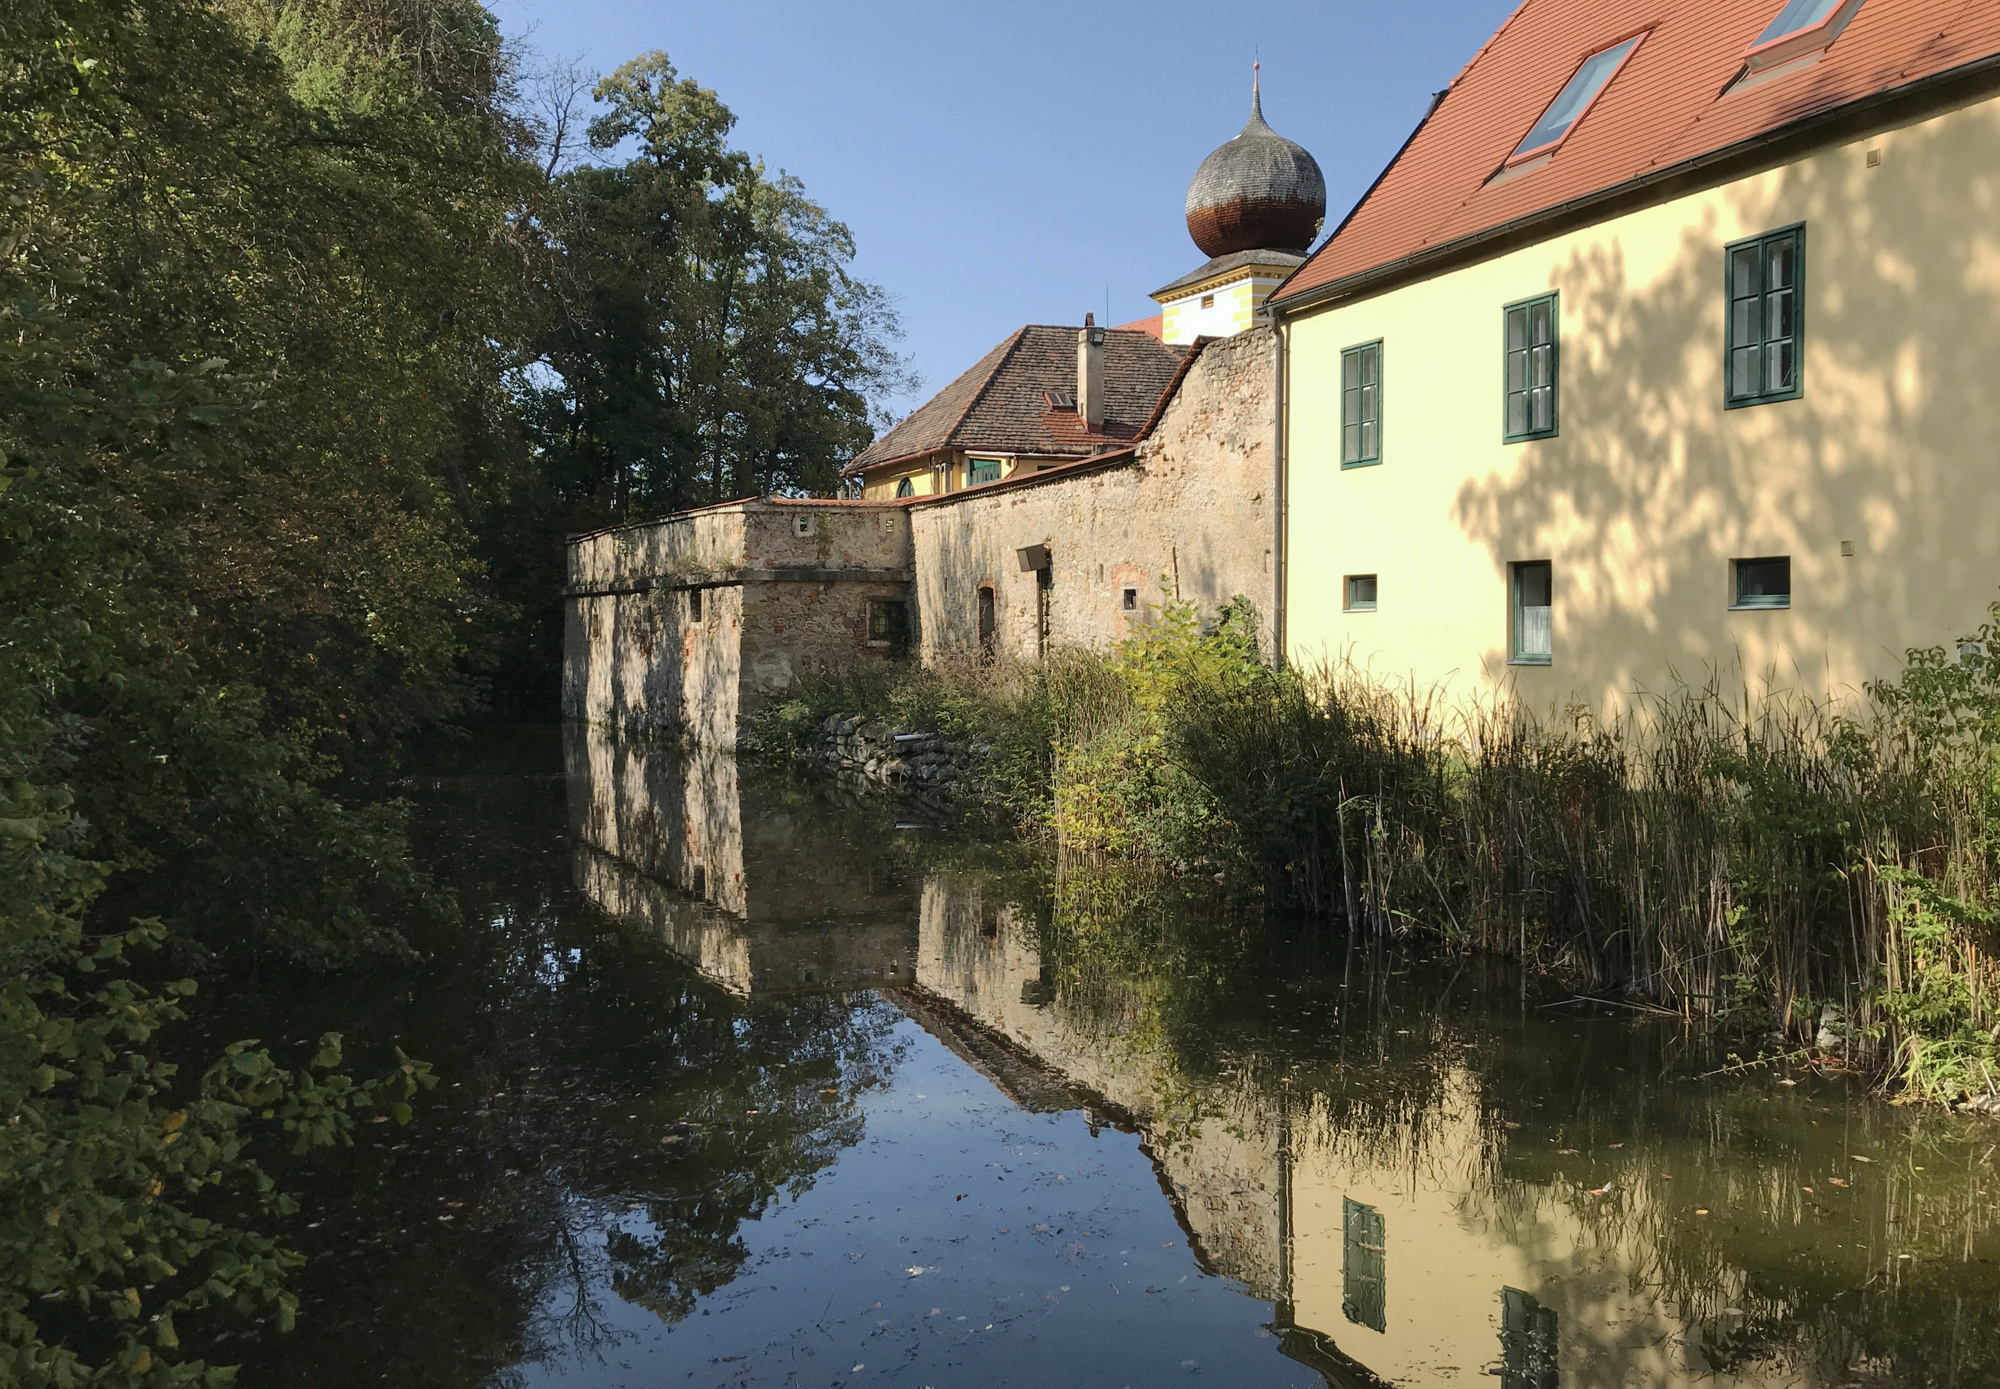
1368,410
1796,15
1544,361
1743,371
1743,272
1544,408
1575,95
1368,446
1370,364
1350,443
1540,327
1517,371
1778,270
1743,322
1350,369
1517,413
1361,593
1517,329
1778,315
1778,366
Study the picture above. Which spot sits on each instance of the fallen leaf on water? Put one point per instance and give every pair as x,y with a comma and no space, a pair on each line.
1806,1189
1565,1152
1835,1181
1859,1158
1788,1082
1701,1210
1614,1145
1602,1190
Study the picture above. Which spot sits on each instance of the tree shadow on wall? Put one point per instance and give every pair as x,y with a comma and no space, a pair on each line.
1652,487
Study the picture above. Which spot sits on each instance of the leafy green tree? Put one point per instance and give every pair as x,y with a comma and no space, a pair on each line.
704,339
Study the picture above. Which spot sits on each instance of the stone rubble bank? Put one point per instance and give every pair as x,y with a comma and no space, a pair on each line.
856,745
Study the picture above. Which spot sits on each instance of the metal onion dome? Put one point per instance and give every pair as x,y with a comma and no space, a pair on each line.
1259,192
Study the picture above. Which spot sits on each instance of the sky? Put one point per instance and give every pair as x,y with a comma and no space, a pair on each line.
1026,162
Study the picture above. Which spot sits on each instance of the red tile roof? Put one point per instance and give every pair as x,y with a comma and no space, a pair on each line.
1154,327
1668,107
1000,405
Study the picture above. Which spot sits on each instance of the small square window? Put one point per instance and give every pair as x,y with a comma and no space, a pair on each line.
1533,639
1360,593
888,622
1764,583
694,605
1208,301
1130,600
1361,405
802,525
1766,346
1531,367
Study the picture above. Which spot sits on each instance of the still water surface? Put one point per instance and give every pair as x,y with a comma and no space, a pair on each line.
749,1082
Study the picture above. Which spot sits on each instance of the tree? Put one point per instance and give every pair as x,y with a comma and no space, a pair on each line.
704,339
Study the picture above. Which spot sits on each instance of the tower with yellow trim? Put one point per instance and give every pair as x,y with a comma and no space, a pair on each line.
1254,208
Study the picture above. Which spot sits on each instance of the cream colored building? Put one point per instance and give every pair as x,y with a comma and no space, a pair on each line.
1826,220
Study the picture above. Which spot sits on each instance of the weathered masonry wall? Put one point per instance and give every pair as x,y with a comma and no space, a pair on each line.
1189,514
687,625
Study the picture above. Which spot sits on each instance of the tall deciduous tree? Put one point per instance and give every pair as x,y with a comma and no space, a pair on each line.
705,339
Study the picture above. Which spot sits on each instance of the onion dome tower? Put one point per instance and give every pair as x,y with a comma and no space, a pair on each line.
1259,192
1254,208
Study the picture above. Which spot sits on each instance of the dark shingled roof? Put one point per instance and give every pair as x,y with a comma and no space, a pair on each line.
999,405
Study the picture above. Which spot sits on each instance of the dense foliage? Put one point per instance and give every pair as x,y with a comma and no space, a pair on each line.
287,297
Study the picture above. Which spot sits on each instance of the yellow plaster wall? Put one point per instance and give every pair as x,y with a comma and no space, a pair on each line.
1651,487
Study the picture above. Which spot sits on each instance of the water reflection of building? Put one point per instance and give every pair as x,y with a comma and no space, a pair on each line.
1393,1248
758,894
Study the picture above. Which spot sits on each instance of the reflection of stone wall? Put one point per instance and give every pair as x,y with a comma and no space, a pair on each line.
1223,1164
1192,511
772,602
759,892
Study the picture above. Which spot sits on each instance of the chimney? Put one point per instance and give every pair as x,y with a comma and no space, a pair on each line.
1090,375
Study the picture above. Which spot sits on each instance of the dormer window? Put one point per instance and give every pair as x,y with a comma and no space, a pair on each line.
1802,29
1573,101
1060,400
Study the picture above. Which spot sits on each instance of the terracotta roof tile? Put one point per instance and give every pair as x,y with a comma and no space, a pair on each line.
1666,107
1000,404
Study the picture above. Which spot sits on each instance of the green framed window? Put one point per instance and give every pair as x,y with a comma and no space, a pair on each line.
1763,583
1363,1266
1532,366
1532,639
1361,405
980,470
1360,596
906,487
1765,281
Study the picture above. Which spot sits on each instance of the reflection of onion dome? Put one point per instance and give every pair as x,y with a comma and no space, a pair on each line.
1258,192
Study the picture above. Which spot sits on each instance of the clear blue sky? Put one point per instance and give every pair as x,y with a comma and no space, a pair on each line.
1003,164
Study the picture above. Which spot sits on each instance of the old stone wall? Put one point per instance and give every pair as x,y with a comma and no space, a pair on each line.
688,625
1190,514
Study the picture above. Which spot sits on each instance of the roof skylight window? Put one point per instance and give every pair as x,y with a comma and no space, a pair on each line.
1574,100
1802,27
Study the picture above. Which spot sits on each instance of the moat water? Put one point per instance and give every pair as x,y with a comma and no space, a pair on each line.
747,1081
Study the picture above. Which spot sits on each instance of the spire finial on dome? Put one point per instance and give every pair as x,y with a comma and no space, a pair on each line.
1256,97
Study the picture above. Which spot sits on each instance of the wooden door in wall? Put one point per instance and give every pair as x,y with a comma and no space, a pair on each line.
986,622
